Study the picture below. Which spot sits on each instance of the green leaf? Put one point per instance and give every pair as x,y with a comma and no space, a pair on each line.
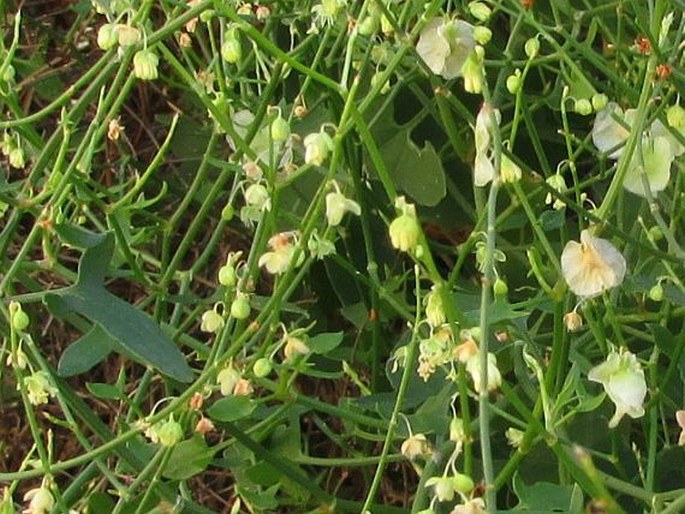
416,171
543,497
232,408
86,352
105,391
325,342
137,335
73,235
188,459
552,219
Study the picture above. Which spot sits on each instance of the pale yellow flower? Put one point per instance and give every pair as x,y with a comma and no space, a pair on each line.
592,266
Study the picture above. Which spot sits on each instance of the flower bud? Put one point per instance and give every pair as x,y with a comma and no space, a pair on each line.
127,35
227,275
207,15
212,321
368,26
480,11
573,321
415,446
532,47
482,35
435,310
457,433
107,36
240,308
472,71
204,426
655,233
262,367
514,436
40,501
9,74
145,65
231,50
514,82
317,147
20,320
404,232
599,101
227,212
375,82
675,116
17,157
500,288
463,483
169,433
583,106
656,293
509,171
279,130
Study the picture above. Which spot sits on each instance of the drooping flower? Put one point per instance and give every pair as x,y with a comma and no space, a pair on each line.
40,501
283,250
39,387
145,65
592,266
474,369
435,310
444,45
415,446
483,168
624,382
317,146
474,506
227,378
404,230
337,205
652,157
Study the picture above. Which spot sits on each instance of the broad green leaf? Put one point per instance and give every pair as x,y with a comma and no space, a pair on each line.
88,351
552,219
188,458
137,334
325,342
74,235
543,497
232,408
416,171
104,391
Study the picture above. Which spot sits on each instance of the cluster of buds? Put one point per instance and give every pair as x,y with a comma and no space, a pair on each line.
11,148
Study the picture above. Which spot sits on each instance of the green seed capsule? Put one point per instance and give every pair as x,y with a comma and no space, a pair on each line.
240,308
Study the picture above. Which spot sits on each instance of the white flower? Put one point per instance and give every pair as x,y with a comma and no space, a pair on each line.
483,168
227,380
415,446
40,501
624,382
608,133
474,369
443,487
652,157
444,45
317,146
336,207
657,155
257,196
592,266
279,259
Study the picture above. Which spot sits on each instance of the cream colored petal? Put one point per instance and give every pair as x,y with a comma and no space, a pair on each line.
483,170
592,266
657,157
432,47
607,132
658,129
459,36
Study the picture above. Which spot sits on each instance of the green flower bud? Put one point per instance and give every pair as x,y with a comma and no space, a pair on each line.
108,36
227,212
9,74
169,433
20,320
368,26
583,106
500,288
262,367
227,276
17,158
206,16
405,232
280,130
240,308
599,101
675,116
375,82
463,483
514,82
532,48
656,233
145,65
231,50
482,35
480,11
656,293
